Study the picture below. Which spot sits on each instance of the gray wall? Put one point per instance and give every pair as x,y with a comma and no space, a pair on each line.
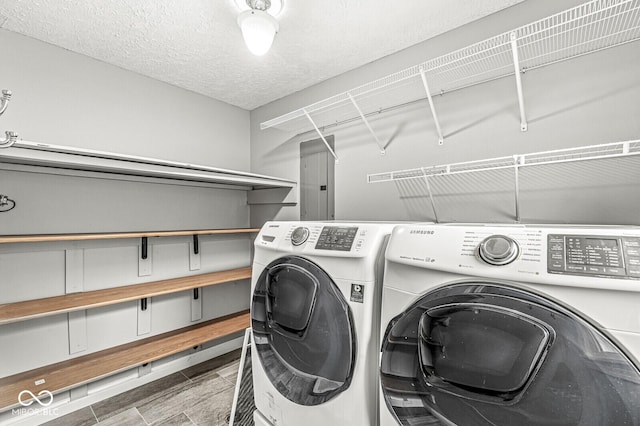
585,101
63,98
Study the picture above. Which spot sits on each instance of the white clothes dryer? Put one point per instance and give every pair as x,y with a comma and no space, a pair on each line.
511,325
315,317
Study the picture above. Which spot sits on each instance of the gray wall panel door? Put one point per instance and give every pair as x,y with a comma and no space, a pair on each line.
317,180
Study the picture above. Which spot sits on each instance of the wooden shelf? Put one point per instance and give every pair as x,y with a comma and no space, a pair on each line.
115,235
77,371
20,311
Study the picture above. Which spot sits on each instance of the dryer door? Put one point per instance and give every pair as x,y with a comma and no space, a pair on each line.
491,354
303,331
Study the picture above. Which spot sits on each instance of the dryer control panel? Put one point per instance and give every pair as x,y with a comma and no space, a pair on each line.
328,239
337,238
603,255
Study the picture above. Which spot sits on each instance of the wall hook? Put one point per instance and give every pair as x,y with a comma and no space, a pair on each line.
11,138
6,203
4,101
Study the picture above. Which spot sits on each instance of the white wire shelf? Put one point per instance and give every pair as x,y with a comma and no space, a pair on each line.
592,152
590,27
583,180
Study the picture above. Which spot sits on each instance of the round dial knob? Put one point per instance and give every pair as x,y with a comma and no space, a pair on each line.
498,250
299,235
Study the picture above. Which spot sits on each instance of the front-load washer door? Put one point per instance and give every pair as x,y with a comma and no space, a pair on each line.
492,354
303,331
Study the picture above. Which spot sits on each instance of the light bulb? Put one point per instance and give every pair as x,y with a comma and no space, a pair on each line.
258,30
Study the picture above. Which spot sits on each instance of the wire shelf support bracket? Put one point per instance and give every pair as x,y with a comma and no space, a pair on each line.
431,200
320,134
423,76
366,122
517,161
516,65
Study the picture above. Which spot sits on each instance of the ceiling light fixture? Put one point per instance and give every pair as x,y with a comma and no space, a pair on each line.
258,26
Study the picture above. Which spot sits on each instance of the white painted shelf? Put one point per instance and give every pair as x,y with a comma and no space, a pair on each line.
110,165
590,27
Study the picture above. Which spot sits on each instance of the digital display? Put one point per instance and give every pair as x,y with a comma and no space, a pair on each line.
337,238
606,244
606,256
592,251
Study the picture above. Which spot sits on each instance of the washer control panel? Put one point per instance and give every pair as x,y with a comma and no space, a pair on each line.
603,255
338,238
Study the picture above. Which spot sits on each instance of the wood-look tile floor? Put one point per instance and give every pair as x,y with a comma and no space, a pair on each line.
199,395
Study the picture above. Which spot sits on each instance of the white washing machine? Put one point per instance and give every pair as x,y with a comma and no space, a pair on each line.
315,315
511,325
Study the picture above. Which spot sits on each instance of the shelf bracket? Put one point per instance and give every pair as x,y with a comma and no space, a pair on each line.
516,65
144,316
144,249
433,204
366,122
196,244
431,106
77,330
74,283
74,270
145,369
144,259
194,254
196,305
320,133
518,160
78,392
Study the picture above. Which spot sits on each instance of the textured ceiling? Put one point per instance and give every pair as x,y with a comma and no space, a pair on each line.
198,46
